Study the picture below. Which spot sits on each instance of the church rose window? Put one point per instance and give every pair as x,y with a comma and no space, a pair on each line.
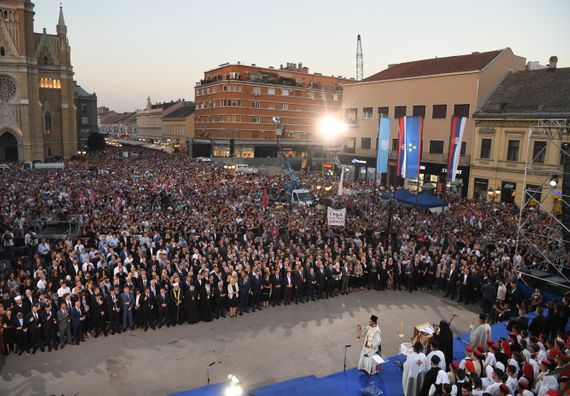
7,88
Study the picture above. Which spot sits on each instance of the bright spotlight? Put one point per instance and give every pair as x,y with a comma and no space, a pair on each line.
553,180
330,127
234,387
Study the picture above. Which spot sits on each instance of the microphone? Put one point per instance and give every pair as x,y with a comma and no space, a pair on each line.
348,346
211,364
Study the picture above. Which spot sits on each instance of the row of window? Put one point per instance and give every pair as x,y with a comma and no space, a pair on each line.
50,83
438,111
248,119
435,146
513,149
256,104
258,91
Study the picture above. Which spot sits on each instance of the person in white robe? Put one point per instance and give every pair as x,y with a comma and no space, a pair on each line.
482,333
372,340
412,377
435,352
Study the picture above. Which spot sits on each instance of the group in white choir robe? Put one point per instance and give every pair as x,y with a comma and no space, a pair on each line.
414,370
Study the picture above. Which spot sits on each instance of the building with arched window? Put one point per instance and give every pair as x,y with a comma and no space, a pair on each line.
37,112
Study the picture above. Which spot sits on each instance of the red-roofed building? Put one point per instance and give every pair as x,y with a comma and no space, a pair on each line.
435,88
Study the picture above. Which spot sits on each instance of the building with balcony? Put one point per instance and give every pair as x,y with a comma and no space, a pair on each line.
178,127
436,89
235,106
501,144
86,111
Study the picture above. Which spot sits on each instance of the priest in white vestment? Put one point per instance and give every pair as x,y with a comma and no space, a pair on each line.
412,378
372,339
481,334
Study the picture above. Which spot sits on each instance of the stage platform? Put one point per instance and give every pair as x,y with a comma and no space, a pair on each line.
349,382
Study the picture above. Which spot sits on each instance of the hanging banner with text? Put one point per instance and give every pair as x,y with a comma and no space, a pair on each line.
336,217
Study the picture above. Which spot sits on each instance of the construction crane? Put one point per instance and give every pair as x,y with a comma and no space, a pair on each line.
359,60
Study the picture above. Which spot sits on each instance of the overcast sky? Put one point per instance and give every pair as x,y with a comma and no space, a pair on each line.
126,50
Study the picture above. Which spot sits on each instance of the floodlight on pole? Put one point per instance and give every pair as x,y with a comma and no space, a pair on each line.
330,127
234,387
553,180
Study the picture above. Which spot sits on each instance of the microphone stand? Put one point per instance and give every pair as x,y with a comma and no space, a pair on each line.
345,350
208,370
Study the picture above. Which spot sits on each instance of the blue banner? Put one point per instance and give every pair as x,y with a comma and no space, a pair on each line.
383,145
413,139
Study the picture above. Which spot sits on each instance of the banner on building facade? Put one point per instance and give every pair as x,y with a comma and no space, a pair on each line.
383,145
455,140
409,142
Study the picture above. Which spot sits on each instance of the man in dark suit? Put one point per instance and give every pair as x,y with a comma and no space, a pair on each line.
127,306
244,285
49,323
299,284
288,285
34,326
19,323
162,303
220,300
99,316
77,318
256,290
148,307
311,284
276,288
452,275
114,309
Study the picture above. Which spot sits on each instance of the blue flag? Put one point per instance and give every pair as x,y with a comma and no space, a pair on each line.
412,150
383,145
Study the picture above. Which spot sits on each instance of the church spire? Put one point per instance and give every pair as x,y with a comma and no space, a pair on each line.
61,27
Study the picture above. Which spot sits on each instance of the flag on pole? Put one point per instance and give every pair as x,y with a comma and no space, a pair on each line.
265,202
82,198
455,140
410,138
340,186
383,145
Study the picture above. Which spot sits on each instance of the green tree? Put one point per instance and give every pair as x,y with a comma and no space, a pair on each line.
96,142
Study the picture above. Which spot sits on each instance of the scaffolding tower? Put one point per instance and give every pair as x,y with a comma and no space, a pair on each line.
550,242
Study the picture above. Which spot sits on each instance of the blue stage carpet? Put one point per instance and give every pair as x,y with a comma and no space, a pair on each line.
346,383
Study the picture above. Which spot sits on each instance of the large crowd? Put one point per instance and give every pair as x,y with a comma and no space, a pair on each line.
165,240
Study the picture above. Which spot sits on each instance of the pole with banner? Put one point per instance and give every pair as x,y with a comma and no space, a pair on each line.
382,147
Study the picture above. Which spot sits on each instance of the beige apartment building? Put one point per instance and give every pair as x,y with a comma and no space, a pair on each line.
178,127
502,148
149,120
436,89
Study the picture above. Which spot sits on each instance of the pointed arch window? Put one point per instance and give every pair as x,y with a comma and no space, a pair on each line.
47,122
2,51
46,60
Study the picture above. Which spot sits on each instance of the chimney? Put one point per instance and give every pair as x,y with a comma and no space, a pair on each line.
552,62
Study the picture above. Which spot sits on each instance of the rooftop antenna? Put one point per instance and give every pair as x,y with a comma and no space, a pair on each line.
359,61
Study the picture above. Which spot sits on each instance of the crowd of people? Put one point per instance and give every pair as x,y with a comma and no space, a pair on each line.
164,240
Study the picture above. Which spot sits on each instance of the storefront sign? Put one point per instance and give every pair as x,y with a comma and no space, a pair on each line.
357,161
